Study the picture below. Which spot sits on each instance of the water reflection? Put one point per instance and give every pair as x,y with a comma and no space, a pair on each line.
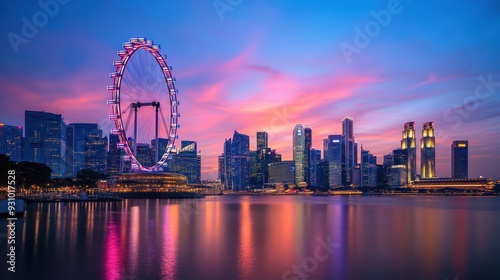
262,238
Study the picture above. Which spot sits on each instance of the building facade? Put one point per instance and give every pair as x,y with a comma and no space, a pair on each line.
315,156
10,141
368,169
460,159
333,148
350,151
114,155
262,140
307,154
298,153
428,151
240,161
282,172
408,144
45,140
85,148
187,162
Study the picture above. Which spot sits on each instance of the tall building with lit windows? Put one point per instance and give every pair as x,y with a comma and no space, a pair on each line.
408,145
368,169
428,151
350,151
298,152
187,161
307,154
240,161
114,155
10,141
85,148
460,159
262,137
333,149
45,140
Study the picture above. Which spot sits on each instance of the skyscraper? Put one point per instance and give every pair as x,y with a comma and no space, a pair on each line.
221,169
460,159
298,152
10,141
350,150
85,148
315,158
45,140
186,162
114,155
399,169
408,144
240,161
368,169
307,154
227,179
428,151
333,148
262,140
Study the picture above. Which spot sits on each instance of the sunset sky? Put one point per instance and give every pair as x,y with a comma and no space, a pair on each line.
268,65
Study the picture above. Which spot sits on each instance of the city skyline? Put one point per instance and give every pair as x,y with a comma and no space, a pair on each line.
417,68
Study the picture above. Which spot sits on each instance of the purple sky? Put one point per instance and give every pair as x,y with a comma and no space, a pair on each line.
268,65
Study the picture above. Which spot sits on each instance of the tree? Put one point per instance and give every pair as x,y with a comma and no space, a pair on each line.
5,166
87,177
32,173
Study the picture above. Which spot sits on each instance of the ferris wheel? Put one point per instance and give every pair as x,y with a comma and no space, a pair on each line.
143,93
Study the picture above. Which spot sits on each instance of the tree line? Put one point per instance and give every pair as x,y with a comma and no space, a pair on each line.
38,174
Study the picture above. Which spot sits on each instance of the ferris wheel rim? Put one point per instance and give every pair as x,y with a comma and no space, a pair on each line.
129,48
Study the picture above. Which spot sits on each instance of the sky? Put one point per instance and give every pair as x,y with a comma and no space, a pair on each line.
269,65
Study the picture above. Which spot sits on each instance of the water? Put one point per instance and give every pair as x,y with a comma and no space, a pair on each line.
260,237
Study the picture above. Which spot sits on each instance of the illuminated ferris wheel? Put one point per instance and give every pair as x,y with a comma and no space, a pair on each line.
142,94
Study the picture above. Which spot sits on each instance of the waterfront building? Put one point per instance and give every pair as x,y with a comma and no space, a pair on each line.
349,157
388,163
315,158
307,154
187,161
145,154
454,183
460,159
240,161
333,148
408,144
368,169
428,151
399,169
10,141
221,174
282,172
357,175
226,179
162,147
298,152
322,174
398,176
114,155
259,165
45,140
85,148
